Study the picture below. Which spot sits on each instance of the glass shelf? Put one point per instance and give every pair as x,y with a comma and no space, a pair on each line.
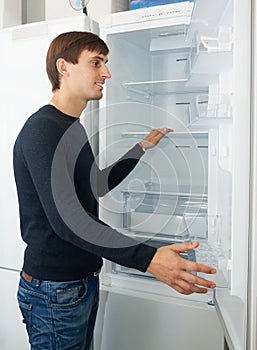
167,190
162,87
195,134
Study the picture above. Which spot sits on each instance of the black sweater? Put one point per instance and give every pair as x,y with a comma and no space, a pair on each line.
58,184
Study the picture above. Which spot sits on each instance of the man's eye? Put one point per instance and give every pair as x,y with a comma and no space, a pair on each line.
95,63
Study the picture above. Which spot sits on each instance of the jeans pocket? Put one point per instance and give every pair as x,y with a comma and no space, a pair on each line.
26,311
69,294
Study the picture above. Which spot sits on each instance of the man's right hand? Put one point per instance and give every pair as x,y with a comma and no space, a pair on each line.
168,267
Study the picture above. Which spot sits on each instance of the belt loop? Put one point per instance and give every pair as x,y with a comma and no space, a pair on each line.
96,273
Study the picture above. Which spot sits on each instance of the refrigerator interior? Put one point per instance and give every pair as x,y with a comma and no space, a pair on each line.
182,73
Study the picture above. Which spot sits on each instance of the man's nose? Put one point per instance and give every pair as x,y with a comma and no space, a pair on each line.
106,73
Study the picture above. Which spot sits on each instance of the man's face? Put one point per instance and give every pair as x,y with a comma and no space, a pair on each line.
86,78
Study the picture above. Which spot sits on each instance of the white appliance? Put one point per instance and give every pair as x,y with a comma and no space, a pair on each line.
186,66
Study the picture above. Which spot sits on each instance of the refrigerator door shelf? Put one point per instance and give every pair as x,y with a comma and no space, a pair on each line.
210,55
210,107
208,62
207,15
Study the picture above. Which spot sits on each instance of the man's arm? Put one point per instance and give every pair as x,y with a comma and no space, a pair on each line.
113,175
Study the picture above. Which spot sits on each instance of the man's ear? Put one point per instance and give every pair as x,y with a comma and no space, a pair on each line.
61,66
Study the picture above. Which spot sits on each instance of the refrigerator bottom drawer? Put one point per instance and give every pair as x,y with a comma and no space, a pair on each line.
118,269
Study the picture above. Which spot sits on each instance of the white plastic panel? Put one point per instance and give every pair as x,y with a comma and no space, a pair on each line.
24,88
129,320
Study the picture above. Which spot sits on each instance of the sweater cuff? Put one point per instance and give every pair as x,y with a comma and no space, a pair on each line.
147,253
139,150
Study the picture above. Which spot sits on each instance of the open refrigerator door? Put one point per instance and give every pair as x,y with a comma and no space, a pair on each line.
224,48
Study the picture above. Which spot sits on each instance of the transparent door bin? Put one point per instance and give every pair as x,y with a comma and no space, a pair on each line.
206,9
211,250
210,55
210,107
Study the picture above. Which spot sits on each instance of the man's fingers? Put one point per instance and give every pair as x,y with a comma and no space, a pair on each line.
193,279
187,288
183,247
188,284
193,266
164,131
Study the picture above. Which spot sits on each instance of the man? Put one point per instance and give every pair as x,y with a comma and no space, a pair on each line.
58,184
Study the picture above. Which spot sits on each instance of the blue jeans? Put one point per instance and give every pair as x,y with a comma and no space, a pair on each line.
59,315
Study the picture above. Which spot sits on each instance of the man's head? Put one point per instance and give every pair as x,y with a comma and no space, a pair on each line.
69,47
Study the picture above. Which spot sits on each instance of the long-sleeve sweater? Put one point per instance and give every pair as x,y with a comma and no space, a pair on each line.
58,185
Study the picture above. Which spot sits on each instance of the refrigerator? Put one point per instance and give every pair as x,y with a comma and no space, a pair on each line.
187,66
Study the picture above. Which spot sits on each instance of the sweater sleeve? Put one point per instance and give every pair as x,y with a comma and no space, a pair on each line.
113,175
50,161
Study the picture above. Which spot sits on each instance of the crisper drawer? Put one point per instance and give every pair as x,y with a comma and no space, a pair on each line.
169,225
155,242
169,214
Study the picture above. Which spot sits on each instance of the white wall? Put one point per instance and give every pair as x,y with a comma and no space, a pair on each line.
59,9
10,13
96,8
11,10
24,88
